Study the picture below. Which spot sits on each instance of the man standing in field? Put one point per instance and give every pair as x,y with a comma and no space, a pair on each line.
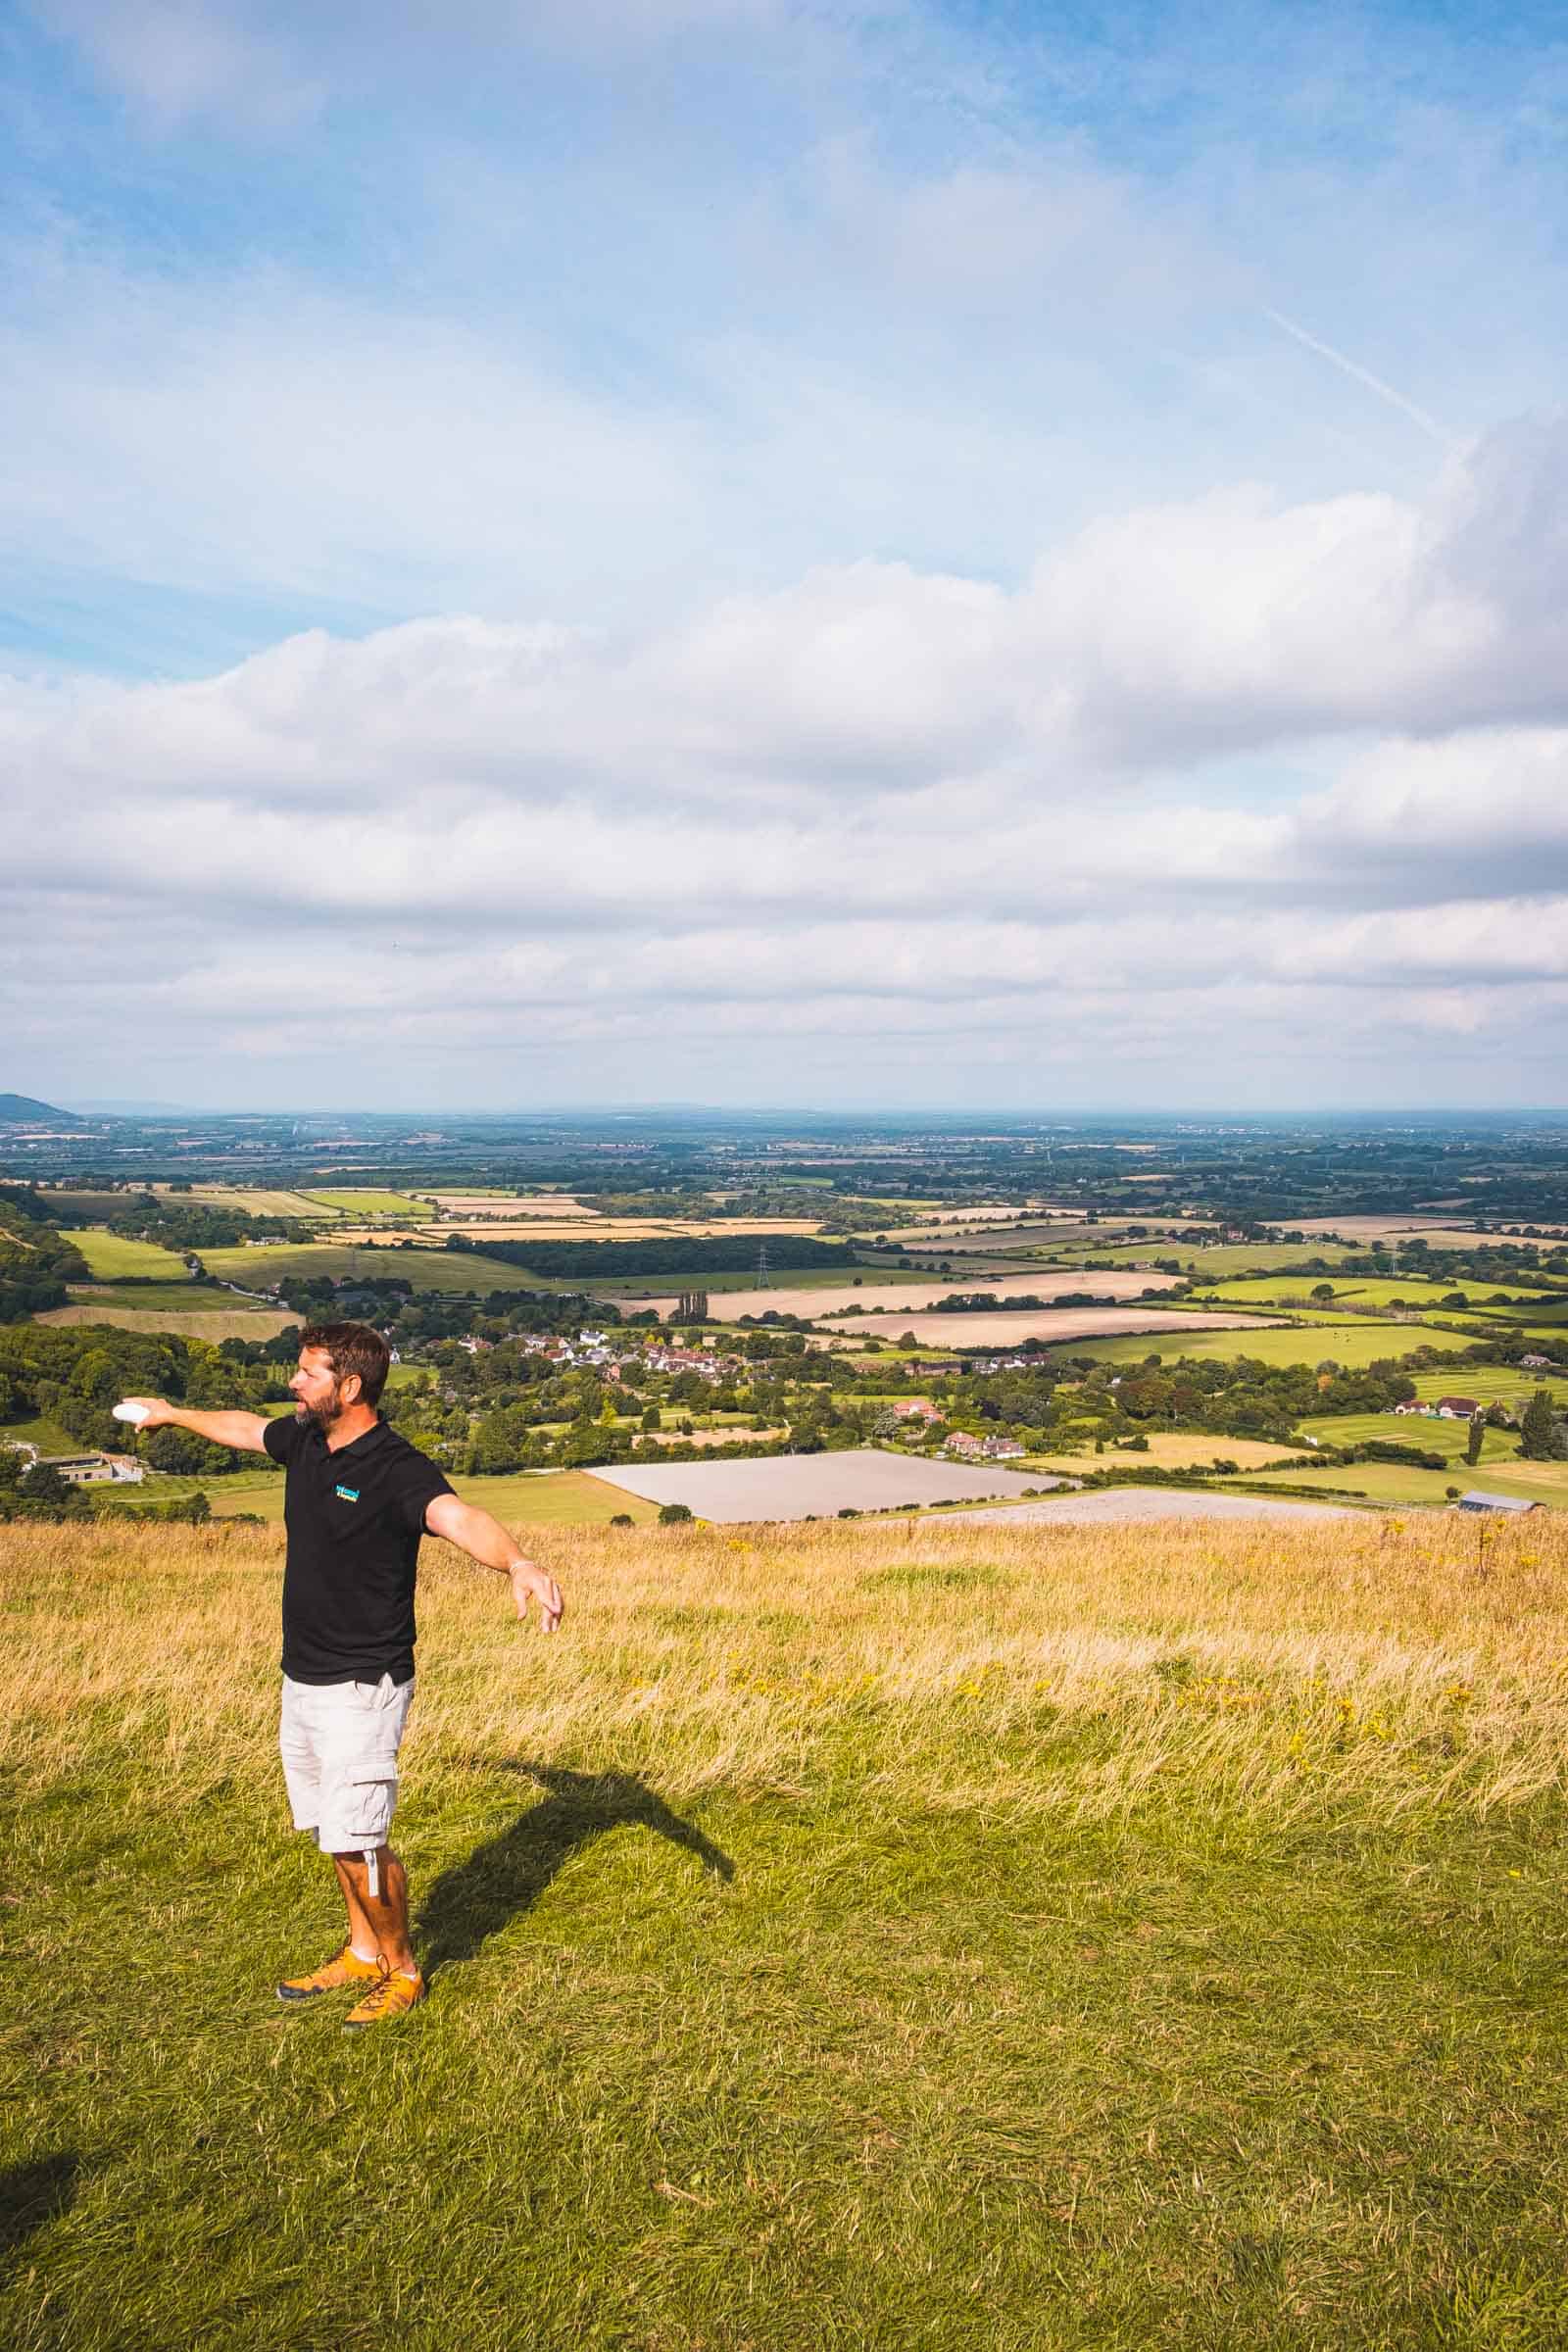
356,1500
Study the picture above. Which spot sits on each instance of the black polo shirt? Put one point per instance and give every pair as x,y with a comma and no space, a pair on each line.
354,1518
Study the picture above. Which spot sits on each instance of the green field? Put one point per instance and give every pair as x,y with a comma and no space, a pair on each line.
1220,1263
550,1498
113,1257
1393,1484
935,1939
453,1270
374,1202
1448,1438
256,1200
1488,1383
141,1297
1355,1344
1371,1291
39,1431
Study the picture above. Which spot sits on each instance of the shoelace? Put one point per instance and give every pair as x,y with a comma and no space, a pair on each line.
379,1994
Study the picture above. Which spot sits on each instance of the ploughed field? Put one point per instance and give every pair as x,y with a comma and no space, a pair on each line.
901,1934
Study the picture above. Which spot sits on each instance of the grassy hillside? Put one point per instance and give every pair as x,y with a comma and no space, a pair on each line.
984,1940
116,1258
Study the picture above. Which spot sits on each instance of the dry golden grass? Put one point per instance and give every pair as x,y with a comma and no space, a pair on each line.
1175,1450
1369,1667
237,1322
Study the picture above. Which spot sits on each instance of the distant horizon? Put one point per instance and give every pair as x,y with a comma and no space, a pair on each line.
610,1111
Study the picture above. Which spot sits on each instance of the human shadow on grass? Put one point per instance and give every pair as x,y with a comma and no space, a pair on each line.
474,1899
31,2194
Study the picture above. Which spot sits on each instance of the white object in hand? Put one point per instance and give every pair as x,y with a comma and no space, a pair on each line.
130,1412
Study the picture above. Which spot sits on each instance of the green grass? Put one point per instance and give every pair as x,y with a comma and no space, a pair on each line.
142,1297
1223,1263
111,1257
39,1431
453,1270
1393,1484
1448,1438
1355,1344
374,1202
1372,1291
1488,1383
840,2055
554,1499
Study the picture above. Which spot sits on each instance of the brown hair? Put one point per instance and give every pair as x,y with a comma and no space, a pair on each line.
351,1348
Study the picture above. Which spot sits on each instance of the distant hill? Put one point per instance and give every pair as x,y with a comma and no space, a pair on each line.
20,1110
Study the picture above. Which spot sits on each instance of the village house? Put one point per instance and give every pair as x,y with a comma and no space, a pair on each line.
94,1469
917,1408
1457,1408
982,1449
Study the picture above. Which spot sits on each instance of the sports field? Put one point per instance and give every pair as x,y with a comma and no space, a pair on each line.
973,1938
1448,1438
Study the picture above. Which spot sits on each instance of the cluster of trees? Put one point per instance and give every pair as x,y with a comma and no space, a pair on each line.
176,1222
36,1491
36,1263
611,1260
71,1374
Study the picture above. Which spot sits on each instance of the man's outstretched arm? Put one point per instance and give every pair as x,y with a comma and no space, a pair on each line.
245,1431
486,1540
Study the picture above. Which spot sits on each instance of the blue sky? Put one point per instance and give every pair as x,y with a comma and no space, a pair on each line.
726,548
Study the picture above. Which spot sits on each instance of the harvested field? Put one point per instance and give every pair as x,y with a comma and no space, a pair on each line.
1172,1450
256,1200
236,1321
1437,1230
810,1486
728,1307
1003,1330
509,1204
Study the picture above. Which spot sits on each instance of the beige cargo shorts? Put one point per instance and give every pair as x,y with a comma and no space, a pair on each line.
339,1743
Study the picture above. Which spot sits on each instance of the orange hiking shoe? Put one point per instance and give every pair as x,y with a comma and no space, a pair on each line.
344,1968
394,1996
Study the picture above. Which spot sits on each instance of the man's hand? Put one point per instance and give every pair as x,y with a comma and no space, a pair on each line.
486,1540
156,1412
526,1579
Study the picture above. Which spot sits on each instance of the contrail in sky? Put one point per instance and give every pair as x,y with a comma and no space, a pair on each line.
1365,375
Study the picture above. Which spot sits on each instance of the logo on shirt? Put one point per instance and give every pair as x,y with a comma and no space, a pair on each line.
347,1493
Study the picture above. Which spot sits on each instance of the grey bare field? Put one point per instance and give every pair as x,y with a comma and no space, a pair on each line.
813,1485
